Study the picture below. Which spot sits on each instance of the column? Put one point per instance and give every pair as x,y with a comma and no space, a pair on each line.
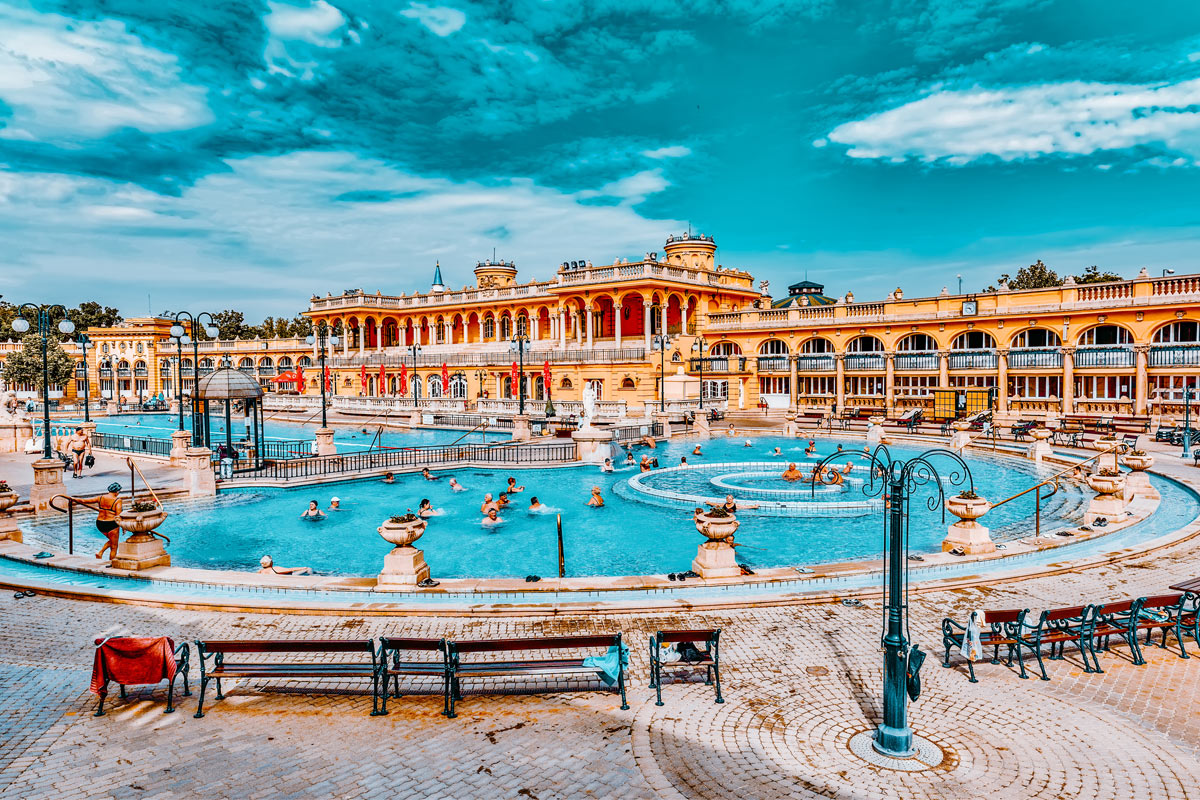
617,325
664,318
362,340
793,384
1068,389
1140,393
943,369
379,338
646,311
346,340
402,334
533,327
316,343
578,331
587,321
839,359
687,314
562,328
1002,380
889,384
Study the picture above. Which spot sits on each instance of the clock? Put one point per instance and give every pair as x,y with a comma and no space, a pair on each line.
970,308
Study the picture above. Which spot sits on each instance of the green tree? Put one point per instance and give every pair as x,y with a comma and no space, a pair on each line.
232,325
8,312
1035,276
25,365
93,315
1093,275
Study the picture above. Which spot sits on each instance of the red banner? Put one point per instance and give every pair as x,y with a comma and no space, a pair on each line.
546,376
300,387
382,380
403,380
516,387
328,382
445,380
363,377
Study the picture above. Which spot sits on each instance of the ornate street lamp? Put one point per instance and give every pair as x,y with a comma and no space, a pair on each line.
322,336
896,481
181,338
416,350
699,346
520,343
661,342
44,317
1189,394
84,341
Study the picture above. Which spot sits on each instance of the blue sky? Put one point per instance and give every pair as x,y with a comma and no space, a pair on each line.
249,154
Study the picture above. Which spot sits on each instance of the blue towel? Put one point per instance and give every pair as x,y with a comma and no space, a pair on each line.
607,666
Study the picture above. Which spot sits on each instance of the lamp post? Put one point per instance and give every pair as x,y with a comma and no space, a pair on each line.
699,346
481,376
660,343
1167,272
181,338
84,341
1189,394
416,350
320,337
44,317
897,481
520,343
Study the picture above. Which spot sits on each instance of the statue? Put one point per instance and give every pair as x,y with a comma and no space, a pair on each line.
12,409
589,404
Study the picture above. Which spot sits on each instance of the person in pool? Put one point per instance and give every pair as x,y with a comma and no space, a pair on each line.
512,486
502,501
389,477
792,474
607,466
597,499
696,451
335,504
835,477
314,511
456,486
730,505
841,449
267,567
648,441
683,461
849,466
491,518
488,502
426,510
108,506
645,465
629,462
534,505
812,448
748,443
777,452
429,476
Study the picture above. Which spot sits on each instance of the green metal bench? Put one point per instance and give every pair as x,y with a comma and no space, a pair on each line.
998,628
218,649
1057,627
392,666
709,658
1177,614
182,654
460,668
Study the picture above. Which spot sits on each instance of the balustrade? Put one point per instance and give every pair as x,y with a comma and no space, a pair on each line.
917,362
1031,358
1089,356
1180,355
973,359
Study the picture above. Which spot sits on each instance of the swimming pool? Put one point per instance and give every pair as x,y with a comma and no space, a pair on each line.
630,535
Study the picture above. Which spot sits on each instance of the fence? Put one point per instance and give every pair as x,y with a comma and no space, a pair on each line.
631,433
473,421
379,460
143,445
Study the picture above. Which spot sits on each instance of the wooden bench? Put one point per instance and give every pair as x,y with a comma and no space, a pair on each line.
1056,627
459,668
1170,613
998,628
1020,429
392,666
710,658
181,652
217,649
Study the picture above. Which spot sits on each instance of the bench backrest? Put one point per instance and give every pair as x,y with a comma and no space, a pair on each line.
688,636
407,643
1160,601
546,643
1009,615
1060,614
287,646
1119,607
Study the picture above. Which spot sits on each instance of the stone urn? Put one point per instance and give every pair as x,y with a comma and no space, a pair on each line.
1040,434
876,419
715,558
875,429
1105,484
1137,462
404,567
1109,459
142,549
716,528
1137,482
1040,447
8,525
1109,502
8,499
960,425
968,535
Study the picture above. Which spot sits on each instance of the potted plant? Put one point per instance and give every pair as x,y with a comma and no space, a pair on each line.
8,498
141,517
967,506
716,524
401,530
1138,460
1106,481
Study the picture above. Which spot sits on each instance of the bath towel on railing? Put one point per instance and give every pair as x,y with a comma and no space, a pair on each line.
607,666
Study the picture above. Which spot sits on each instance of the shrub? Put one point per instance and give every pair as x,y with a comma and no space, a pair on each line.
141,506
409,517
967,494
717,513
4,487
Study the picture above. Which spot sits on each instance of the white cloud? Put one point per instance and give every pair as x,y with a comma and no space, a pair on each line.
294,29
441,20
674,151
1072,118
66,78
633,189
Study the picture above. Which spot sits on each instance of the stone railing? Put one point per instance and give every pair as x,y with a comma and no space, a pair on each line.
1035,358
1100,356
864,362
1175,355
917,362
816,363
291,402
973,359
380,405
562,408
455,357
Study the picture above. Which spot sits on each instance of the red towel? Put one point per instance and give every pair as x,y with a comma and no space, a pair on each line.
132,661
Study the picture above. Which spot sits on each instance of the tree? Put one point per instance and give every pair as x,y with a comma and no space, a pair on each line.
1093,275
93,315
232,325
25,365
1035,276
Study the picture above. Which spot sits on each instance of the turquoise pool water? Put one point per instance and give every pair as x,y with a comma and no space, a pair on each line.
348,437
629,535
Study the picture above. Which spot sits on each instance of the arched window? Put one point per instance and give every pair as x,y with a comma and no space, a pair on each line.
505,327
435,386
565,383
163,367
773,347
305,362
522,326
416,387
246,364
816,347
1036,337
489,328
865,344
1106,335
458,385
440,334
597,386
285,362
917,343
266,361
726,349
506,387
539,387
973,340
1185,331
627,383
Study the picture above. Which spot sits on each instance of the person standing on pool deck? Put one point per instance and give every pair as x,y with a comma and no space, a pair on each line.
79,445
108,506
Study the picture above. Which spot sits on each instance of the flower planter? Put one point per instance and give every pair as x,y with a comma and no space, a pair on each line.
404,567
402,534
7,500
1106,484
968,535
716,529
1040,434
968,510
141,550
140,522
960,426
8,525
1136,463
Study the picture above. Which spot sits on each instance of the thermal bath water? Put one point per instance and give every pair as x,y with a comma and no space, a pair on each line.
632,534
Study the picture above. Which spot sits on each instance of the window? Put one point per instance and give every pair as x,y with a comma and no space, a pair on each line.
826,386
305,362
1106,335
505,328
1169,388
1035,387
865,344
917,343
780,385
715,390
565,383
522,326
974,340
816,346
915,385
1185,331
773,347
285,362
627,383
864,385
972,381
1103,387
489,328
1037,337
435,386
597,386
539,387
726,349
416,387
440,333
458,385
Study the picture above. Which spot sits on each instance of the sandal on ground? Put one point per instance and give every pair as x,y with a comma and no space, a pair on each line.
852,602
915,557
428,583
957,551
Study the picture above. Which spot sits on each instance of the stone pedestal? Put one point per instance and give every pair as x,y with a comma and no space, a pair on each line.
112,407
970,537
1137,481
1040,448
664,419
716,560
521,428
1108,502
403,568
47,482
141,551
703,426
325,445
180,442
201,482
875,431
174,407
592,445
790,428
14,433
1108,460
8,528
414,419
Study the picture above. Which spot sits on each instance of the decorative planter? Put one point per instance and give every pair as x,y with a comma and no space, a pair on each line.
968,535
138,522
715,558
142,549
1137,482
1106,484
404,567
1040,434
1109,502
716,529
7,500
1136,463
8,525
877,419
960,426
402,534
968,510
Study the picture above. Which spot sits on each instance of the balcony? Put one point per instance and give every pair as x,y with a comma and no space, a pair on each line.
717,364
1035,358
1117,357
773,363
1178,355
123,373
140,373
816,363
973,359
917,362
864,362
266,370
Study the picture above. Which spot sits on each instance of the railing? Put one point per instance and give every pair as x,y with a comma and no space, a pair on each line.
378,405
1029,358
1105,291
562,408
917,362
455,358
973,359
1187,284
631,433
864,362
718,364
864,310
379,460
1089,356
142,445
474,421
814,363
773,363
291,402
1180,355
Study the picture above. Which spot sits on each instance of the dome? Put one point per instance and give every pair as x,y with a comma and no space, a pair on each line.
228,384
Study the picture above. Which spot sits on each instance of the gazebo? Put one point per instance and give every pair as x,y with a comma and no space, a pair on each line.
229,386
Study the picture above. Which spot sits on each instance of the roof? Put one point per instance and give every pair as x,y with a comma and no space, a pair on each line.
437,274
806,285
797,300
228,384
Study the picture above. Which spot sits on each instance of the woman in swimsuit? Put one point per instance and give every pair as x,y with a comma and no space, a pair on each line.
313,511
108,507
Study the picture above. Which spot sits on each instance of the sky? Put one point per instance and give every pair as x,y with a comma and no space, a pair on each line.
185,155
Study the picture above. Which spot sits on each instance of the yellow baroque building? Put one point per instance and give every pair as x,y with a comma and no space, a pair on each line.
1126,348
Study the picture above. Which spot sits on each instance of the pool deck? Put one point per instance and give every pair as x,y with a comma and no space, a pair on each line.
17,470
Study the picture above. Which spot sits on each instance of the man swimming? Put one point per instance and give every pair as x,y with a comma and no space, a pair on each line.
777,452
491,518
456,486
267,567
534,505
429,476
812,448
389,477
488,503
696,451
335,504
792,474
607,466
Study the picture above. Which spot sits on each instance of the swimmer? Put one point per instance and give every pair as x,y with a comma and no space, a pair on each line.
696,451
607,466
629,462
427,475
512,486
645,465
502,500
488,502
730,505
267,567
866,449
683,461
648,441
731,431
846,469
835,477
792,474
426,510
777,452
314,511
456,486
812,448
534,505
491,518
389,477
596,500
335,504
840,449
748,443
